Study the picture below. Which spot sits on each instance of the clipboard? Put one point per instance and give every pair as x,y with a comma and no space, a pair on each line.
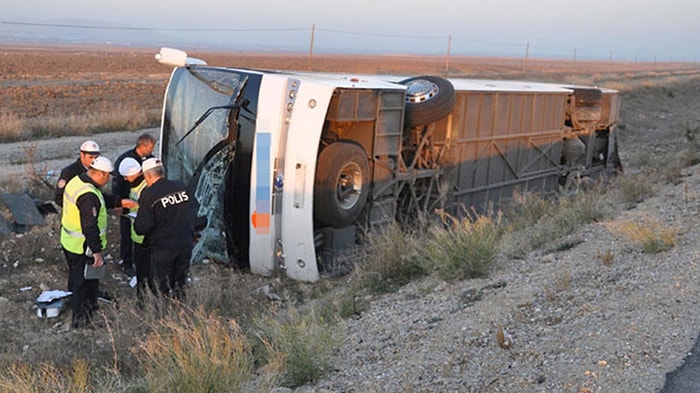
94,273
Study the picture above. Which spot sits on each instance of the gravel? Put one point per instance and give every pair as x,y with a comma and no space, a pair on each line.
578,322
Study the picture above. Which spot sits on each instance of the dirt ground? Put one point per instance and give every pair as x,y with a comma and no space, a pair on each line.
660,102
40,82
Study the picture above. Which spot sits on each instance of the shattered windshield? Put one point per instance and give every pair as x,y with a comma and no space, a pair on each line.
193,91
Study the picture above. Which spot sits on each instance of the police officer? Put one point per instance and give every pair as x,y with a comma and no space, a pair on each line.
143,150
89,150
130,170
166,216
84,234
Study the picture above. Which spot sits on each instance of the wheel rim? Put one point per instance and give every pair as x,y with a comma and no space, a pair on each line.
349,186
421,90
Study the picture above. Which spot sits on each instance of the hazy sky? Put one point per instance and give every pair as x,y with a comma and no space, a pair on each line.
621,29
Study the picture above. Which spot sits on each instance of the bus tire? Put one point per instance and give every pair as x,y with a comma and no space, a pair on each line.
428,99
342,184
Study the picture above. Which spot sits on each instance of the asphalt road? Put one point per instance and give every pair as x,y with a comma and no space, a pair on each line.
686,378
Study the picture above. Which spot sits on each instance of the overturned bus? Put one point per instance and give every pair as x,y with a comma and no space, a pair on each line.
287,166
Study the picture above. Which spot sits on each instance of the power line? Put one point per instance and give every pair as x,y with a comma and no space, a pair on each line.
279,29
404,36
386,35
282,29
131,28
452,39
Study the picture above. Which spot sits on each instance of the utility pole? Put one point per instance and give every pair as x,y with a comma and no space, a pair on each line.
311,45
447,59
527,52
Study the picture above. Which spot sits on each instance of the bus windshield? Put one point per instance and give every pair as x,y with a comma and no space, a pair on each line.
196,117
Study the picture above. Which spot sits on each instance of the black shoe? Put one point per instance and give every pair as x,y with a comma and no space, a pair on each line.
129,271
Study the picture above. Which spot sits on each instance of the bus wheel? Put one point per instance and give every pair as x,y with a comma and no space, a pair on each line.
342,184
428,99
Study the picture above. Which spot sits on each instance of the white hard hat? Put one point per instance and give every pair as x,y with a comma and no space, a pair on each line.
151,163
129,167
103,164
90,147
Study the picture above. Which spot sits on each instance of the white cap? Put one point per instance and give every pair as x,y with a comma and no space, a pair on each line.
102,163
151,163
129,167
90,147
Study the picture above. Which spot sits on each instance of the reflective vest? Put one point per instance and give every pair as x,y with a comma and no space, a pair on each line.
134,194
72,237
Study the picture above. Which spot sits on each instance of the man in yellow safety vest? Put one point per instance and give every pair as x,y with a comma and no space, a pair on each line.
84,234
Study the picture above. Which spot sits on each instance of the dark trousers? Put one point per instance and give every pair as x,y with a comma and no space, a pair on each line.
126,245
145,283
84,297
171,267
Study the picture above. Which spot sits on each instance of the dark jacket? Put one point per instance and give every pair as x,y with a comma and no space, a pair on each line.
67,173
120,187
166,215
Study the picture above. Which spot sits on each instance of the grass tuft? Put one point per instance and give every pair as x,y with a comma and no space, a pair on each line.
464,248
27,378
299,347
649,233
525,209
190,351
388,260
11,126
633,189
552,219
562,284
690,155
606,257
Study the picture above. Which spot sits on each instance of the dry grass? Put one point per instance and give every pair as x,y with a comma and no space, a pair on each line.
648,232
116,118
525,209
45,378
192,351
122,88
382,266
464,248
173,347
633,189
534,221
606,257
298,346
11,126
12,184
562,284
14,128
